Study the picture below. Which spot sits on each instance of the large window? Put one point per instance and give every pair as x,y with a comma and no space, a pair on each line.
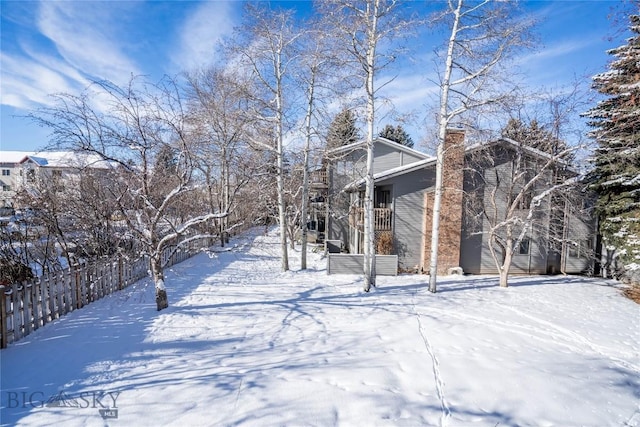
6,187
6,172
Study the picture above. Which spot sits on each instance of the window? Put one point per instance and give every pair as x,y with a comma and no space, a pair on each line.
523,248
6,187
6,172
573,250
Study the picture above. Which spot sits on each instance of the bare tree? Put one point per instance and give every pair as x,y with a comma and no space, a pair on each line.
482,35
218,101
514,193
141,129
524,190
360,27
317,63
74,214
265,49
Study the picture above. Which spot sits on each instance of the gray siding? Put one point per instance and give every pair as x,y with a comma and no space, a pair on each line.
475,256
408,215
407,158
385,158
578,252
386,265
388,157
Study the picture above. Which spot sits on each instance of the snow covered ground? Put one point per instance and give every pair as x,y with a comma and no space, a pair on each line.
244,344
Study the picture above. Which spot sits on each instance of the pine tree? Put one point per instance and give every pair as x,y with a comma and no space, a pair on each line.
397,134
616,174
533,135
343,130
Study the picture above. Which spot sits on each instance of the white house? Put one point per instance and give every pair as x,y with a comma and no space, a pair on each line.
19,168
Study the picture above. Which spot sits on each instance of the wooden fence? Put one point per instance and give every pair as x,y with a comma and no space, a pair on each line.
25,307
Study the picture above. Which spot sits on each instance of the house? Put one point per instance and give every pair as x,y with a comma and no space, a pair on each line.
10,175
403,198
19,169
346,165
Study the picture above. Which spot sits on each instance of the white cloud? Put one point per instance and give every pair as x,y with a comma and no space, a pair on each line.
83,41
558,50
200,33
27,82
86,35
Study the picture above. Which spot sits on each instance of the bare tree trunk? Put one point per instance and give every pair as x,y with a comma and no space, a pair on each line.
443,122
280,186
508,257
157,272
305,173
369,232
504,276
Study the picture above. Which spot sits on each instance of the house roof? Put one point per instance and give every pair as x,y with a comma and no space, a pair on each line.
428,161
391,173
65,159
361,144
40,161
13,157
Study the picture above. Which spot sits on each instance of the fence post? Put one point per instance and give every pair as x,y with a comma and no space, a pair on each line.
43,300
59,278
17,312
3,318
35,302
52,297
68,290
120,286
27,307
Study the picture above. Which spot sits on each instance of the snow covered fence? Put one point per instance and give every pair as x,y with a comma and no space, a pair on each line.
25,307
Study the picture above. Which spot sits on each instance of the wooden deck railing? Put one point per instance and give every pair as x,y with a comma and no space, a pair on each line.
319,178
381,218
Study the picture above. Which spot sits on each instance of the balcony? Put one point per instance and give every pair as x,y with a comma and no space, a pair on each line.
381,219
319,179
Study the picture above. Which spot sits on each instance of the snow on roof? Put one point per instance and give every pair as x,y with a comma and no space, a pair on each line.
13,156
67,159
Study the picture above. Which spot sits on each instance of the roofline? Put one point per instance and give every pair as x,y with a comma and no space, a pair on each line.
355,145
392,173
93,164
412,167
531,150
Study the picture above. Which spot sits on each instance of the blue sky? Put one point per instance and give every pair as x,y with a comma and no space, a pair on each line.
58,46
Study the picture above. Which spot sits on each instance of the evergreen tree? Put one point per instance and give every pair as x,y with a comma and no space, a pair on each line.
533,135
166,162
397,134
343,130
616,174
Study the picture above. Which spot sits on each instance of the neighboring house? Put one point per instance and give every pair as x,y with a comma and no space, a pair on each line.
10,178
404,189
19,169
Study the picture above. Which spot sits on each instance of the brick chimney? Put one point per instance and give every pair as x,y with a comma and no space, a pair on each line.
450,208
